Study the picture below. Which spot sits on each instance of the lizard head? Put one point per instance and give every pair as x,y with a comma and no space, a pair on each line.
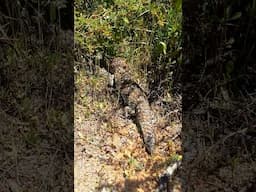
119,65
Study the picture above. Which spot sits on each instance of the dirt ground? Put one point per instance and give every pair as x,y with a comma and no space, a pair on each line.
109,152
116,159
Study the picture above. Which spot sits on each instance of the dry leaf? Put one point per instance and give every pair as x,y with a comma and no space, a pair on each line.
140,190
116,141
81,136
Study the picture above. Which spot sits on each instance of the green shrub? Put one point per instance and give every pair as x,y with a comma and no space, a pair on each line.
141,31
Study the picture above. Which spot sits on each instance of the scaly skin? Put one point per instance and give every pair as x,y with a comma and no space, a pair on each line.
136,99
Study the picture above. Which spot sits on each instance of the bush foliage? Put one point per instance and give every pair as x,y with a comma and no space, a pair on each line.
147,33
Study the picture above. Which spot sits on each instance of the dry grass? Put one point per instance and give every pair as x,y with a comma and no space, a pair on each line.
36,118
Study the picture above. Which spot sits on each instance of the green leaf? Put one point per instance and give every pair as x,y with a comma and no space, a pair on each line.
236,16
126,20
164,47
178,4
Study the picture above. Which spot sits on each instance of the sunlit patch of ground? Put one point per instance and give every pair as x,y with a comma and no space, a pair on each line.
109,153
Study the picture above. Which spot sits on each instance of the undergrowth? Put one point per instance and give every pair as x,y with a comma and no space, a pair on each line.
147,34
36,111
